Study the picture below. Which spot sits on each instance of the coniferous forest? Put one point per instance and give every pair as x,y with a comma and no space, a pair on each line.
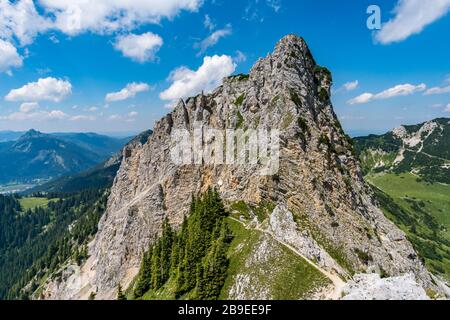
35,243
193,259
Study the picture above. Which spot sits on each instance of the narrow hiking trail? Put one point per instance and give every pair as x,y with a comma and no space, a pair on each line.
338,283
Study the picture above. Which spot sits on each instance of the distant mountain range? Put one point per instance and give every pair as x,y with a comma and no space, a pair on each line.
38,156
10,135
98,177
422,149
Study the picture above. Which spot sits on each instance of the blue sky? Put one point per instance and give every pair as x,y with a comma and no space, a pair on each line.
118,65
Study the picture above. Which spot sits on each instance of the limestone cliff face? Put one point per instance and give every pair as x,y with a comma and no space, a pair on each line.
322,206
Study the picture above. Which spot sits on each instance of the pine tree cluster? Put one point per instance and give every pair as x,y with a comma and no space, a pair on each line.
195,257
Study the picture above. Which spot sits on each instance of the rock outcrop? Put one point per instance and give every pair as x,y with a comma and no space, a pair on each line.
322,206
372,287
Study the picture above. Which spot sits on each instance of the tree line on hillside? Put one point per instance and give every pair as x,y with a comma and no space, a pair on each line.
36,242
193,258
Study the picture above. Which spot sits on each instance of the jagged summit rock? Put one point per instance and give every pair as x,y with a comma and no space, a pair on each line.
323,208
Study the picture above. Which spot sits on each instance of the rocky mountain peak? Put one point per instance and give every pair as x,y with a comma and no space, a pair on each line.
30,134
321,205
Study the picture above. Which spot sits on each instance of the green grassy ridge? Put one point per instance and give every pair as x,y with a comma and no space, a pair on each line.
421,210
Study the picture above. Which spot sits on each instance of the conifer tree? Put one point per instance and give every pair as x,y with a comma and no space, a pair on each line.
166,250
156,278
145,273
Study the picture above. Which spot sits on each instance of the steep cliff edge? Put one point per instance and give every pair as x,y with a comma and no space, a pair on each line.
322,207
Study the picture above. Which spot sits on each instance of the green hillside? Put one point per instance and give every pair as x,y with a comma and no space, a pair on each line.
422,211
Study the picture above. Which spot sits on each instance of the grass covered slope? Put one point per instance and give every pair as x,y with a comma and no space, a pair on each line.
421,210
262,268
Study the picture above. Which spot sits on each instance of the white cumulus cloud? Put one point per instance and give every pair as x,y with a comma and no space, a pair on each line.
187,82
20,20
399,90
9,57
102,16
411,17
140,48
129,91
50,89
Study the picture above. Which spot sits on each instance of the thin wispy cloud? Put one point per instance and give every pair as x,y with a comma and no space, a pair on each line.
213,39
239,57
396,91
274,4
437,90
82,118
208,23
36,116
254,11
